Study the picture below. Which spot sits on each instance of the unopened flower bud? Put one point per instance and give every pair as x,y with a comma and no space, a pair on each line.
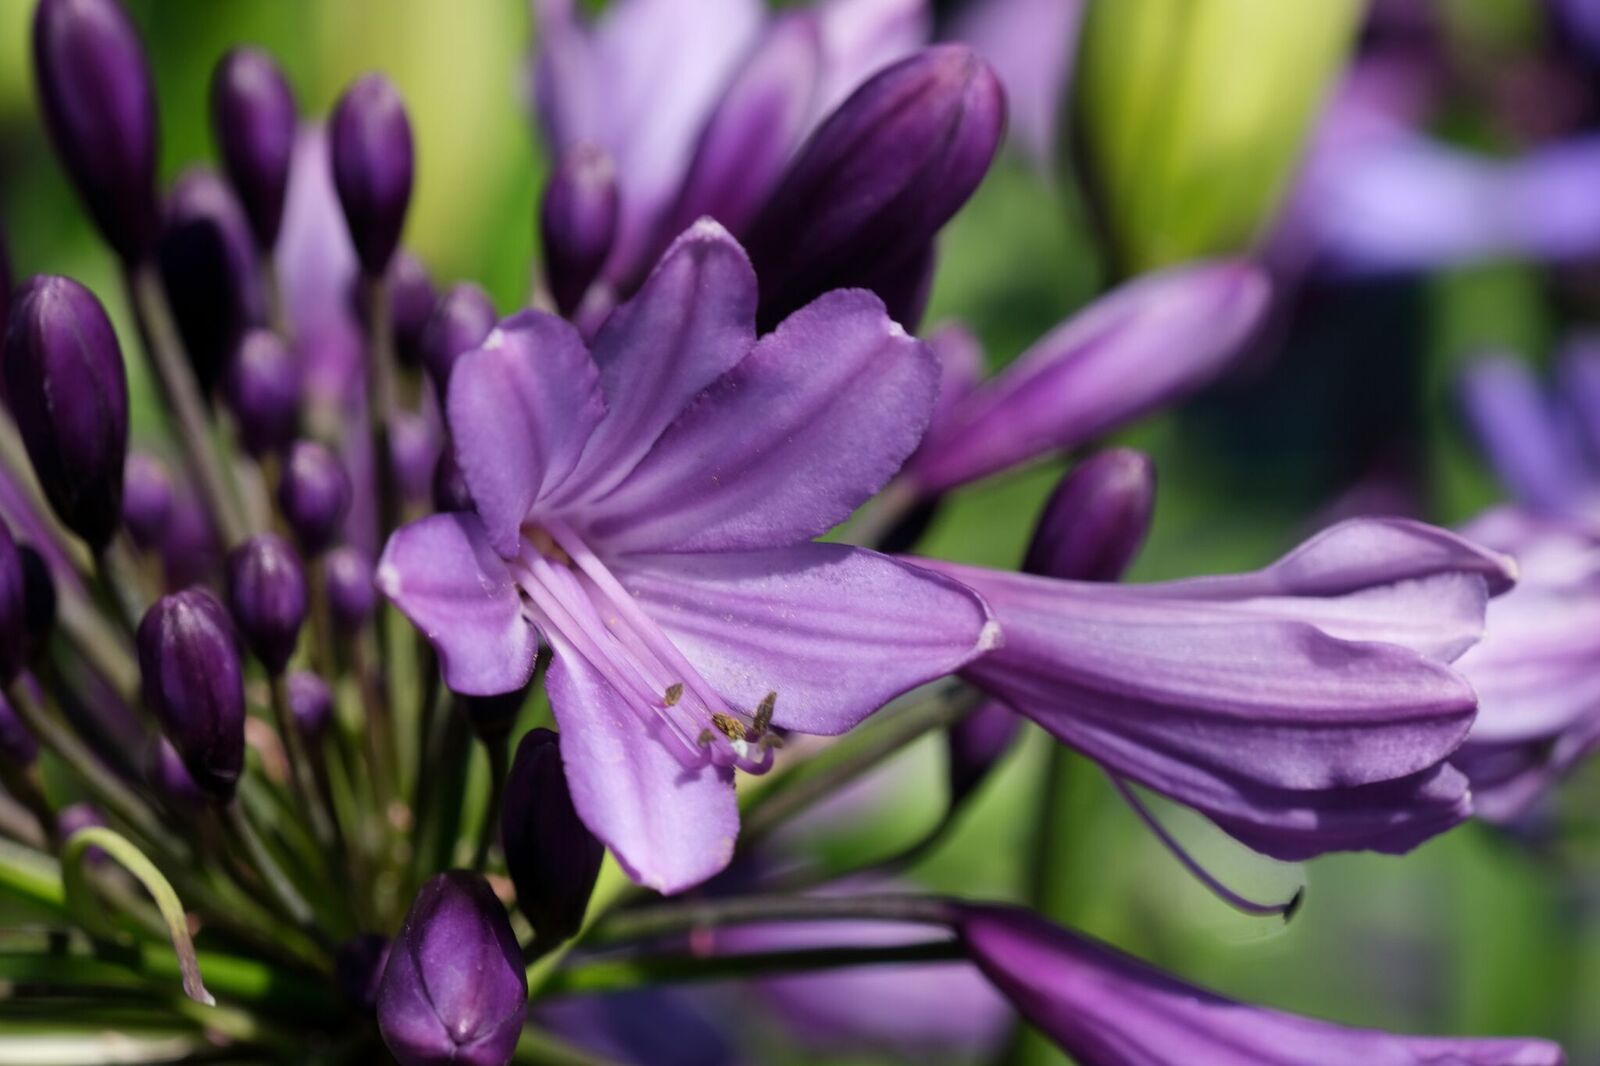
460,321
358,966
315,495
577,223
370,141
267,593
168,777
38,601
194,684
450,492
311,703
351,593
552,857
13,608
146,500
1097,518
210,270
69,395
411,302
878,179
453,989
493,716
18,748
100,107
253,119
263,392
975,744
414,449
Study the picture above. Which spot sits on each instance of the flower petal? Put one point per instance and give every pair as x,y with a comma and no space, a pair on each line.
1518,429
442,574
835,631
692,321
521,408
669,826
787,444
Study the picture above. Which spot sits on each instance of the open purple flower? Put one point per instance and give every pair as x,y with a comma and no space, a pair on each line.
648,509
1106,1008
1304,708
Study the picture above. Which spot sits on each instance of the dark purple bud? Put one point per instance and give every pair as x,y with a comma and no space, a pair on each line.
874,184
453,989
38,601
1097,518
450,492
69,395
146,500
18,748
170,779
267,593
210,270
315,495
552,857
263,392
577,222
414,446
975,744
351,593
369,138
358,966
79,816
13,608
191,551
460,321
100,107
194,684
311,703
5,289
493,716
411,303
253,119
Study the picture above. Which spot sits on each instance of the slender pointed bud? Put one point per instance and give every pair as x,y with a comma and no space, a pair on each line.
370,142
414,447
210,271
577,222
38,600
460,321
99,104
146,500
267,593
18,748
878,179
552,857
450,492
194,684
358,966
68,392
453,989
311,703
13,608
1097,519
263,392
351,593
253,120
168,777
974,745
411,302
314,495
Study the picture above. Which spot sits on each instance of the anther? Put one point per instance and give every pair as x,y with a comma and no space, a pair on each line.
674,694
763,717
730,726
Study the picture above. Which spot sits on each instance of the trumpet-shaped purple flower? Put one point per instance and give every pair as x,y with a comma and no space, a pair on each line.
648,508
1304,708
1104,1007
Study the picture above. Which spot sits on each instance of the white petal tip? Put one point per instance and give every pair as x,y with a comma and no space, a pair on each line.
990,637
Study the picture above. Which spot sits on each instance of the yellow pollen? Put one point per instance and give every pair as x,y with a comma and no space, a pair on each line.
730,726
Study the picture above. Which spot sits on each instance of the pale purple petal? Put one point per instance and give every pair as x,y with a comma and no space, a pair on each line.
1515,424
521,409
691,322
669,826
1509,780
835,631
860,38
1031,44
814,421
961,367
1578,385
1104,1007
1145,345
315,259
1551,202
443,575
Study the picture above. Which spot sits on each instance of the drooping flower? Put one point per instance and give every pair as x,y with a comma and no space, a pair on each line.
648,508
1102,1006
1305,708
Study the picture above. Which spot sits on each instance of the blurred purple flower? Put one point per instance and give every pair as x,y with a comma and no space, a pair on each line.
649,508
1032,45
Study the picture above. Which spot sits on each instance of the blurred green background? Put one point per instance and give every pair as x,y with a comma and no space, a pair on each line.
1474,933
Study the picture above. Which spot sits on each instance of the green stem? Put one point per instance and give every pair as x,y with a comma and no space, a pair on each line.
283,890
539,1048
294,751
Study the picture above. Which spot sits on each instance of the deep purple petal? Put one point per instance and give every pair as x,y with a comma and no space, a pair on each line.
835,631
814,421
669,826
444,576
521,408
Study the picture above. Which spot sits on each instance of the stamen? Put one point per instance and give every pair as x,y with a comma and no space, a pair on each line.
1201,874
674,693
731,727
763,718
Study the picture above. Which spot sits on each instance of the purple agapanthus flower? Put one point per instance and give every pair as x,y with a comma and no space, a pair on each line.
647,507
1305,708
